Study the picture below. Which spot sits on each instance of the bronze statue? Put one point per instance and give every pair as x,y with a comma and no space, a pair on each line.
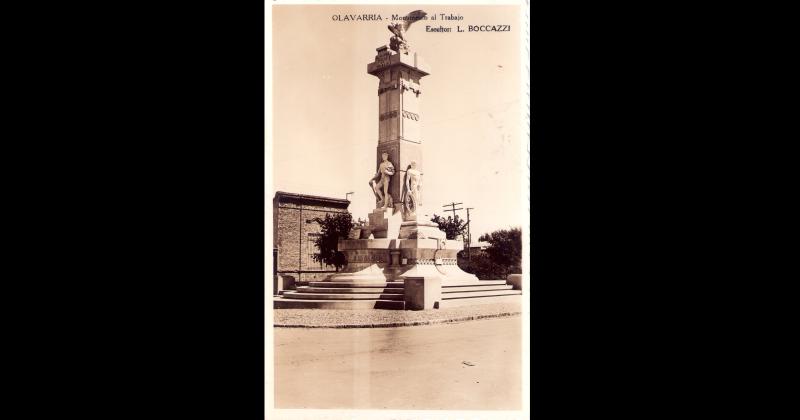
398,41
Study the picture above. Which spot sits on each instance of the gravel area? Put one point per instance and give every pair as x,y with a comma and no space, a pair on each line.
381,318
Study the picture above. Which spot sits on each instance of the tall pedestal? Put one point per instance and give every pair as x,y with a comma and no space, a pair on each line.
399,115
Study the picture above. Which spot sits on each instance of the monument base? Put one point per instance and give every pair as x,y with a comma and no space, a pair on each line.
385,222
392,260
417,230
417,225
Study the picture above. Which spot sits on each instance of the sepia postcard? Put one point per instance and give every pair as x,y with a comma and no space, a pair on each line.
397,181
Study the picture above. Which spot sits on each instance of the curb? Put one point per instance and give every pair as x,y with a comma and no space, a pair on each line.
403,324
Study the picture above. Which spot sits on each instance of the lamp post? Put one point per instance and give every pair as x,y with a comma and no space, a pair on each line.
346,195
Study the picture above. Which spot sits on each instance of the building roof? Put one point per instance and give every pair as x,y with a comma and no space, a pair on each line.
305,197
480,244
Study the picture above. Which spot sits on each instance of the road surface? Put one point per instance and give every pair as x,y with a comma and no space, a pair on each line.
473,365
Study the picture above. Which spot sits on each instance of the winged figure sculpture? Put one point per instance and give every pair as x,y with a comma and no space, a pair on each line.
399,29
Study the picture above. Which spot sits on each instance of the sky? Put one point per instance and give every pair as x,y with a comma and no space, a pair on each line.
325,109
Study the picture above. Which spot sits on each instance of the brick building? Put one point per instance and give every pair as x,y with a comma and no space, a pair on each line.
294,232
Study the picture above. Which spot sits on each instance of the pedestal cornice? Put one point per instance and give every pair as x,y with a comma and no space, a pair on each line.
411,61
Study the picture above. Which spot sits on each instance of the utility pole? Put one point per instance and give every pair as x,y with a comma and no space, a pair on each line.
469,236
453,205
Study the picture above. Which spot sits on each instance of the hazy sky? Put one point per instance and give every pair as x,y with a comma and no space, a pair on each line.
325,108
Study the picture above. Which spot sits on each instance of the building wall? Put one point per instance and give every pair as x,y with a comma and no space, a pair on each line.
293,222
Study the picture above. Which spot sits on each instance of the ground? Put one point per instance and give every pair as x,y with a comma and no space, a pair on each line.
472,365
371,318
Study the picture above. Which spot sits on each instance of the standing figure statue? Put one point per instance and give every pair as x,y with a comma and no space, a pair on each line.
380,183
413,184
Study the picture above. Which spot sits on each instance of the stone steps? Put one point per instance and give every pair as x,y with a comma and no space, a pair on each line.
390,295
281,303
478,293
343,296
351,284
309,289
478,283
487,291
448,289
453,303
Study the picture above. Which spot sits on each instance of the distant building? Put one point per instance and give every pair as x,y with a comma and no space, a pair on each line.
294,232
479,246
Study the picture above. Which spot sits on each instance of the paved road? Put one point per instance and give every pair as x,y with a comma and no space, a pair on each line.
413,368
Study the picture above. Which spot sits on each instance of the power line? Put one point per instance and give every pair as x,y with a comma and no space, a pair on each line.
453,205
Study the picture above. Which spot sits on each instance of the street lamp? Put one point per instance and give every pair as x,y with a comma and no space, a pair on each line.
345,196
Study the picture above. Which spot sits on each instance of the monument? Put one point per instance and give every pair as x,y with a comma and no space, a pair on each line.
400,259
400,241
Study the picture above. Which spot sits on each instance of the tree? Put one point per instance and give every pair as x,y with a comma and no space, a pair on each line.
482,266
332,228
452,227
505,248
501,258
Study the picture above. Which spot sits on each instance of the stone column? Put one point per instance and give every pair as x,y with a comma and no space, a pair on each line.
399,116
399,130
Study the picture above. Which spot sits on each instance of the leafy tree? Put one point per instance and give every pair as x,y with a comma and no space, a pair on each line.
332,228
501,258
482,266
505,248
452,227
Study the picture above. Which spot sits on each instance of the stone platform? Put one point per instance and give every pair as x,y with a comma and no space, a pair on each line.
387,260
389,295
376,273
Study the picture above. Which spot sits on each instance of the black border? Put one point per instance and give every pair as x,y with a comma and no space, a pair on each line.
154,232
171,207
